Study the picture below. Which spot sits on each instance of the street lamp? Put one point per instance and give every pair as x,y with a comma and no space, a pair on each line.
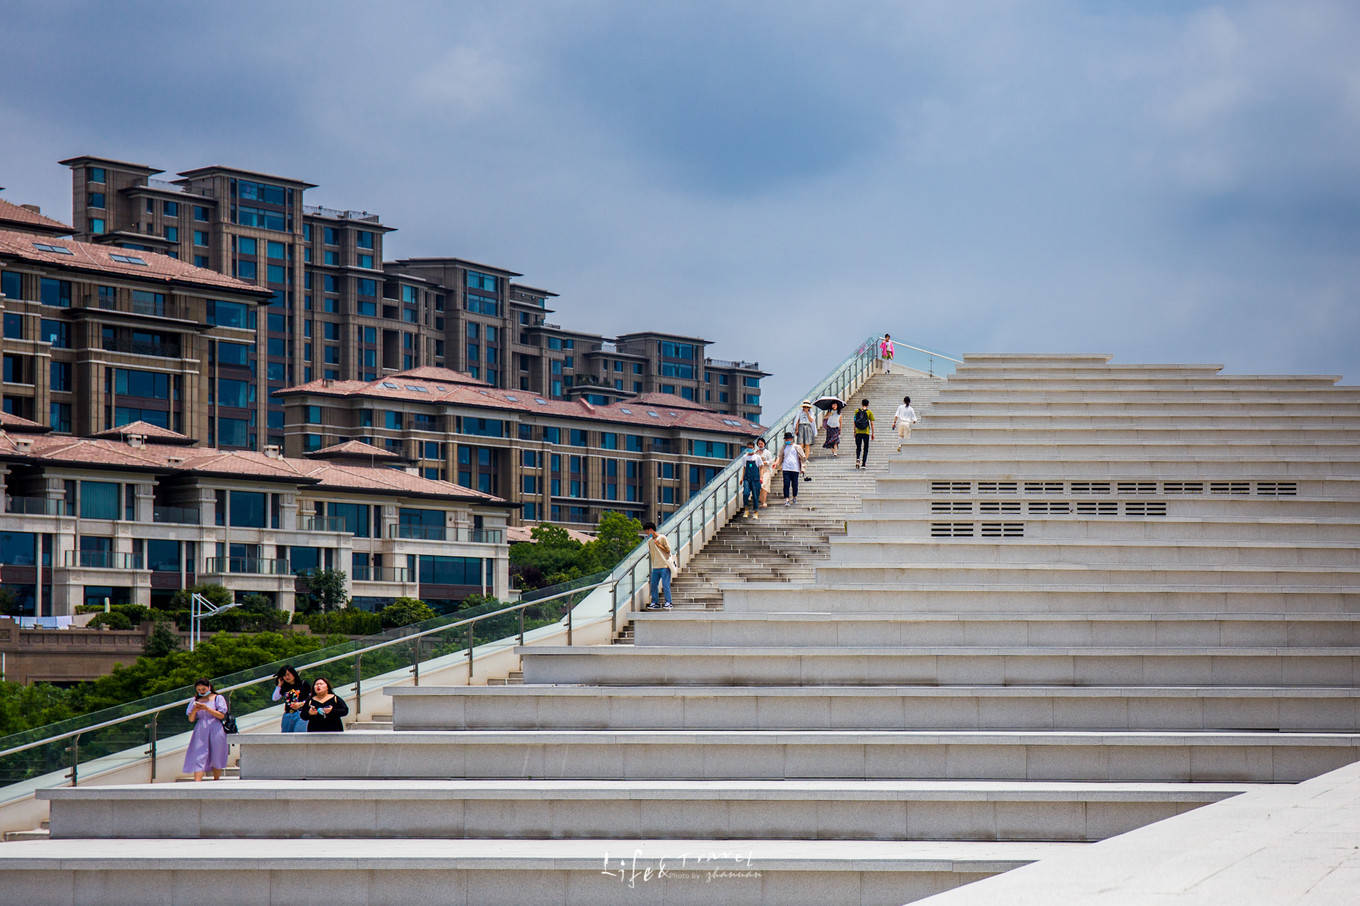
200,607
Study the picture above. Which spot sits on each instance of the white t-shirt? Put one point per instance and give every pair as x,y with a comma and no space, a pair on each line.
906,414
833,419
793,458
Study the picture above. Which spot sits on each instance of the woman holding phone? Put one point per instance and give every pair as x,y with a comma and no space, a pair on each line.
324,709
208,743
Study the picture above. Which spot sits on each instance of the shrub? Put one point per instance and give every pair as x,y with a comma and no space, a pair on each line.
113,619
161,641
405,611
346,621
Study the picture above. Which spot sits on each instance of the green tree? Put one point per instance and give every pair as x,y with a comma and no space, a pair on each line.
615,538
326,590
552,556
161,641
217,595
405,611
9,603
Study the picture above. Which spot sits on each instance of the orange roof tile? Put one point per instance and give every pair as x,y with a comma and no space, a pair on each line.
12,214
104,453
20,425
154,434
92,257
356,448
404,386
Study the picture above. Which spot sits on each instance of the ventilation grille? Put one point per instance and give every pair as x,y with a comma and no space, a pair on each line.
1051,507
1090,487
951,506
997,487
1003,529
1230,487
1097,508
951,487
951,530
999,506
1182,487
1145,508
1277,488
1043,487
1137,487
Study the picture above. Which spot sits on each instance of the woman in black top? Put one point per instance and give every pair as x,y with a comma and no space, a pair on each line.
324,709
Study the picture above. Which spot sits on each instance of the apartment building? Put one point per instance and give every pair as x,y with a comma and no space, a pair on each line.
97,336
564,461
132,515
337,311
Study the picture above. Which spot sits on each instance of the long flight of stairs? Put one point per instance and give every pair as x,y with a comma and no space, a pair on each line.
1086,597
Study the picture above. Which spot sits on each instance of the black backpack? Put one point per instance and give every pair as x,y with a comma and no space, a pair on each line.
861,419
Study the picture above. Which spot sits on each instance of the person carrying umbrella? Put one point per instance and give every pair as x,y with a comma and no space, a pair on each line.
832,421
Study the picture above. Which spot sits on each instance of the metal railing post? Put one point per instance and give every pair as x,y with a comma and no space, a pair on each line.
75,760
151,750
521,627
570,610
614,610
358,682
415,662
469,649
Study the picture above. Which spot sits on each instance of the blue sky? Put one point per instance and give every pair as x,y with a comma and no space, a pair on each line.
1161,181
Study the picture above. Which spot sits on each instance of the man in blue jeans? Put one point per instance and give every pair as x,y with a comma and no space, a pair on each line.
659,550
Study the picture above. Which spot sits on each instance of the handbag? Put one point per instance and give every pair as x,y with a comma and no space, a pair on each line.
228,721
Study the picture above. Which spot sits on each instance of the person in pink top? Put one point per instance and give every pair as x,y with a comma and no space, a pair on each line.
885,353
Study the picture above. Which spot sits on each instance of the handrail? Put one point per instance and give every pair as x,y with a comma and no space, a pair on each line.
938,355
338,657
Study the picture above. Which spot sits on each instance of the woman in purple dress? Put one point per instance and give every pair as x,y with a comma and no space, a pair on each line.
208,744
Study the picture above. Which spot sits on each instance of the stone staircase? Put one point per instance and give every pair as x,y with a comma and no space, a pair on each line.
1046,623
784,543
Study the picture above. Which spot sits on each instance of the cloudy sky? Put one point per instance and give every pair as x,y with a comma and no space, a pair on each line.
1164,181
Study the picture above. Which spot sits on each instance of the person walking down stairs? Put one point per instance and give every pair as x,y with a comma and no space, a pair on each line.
663,562
791,462
752,460
805,432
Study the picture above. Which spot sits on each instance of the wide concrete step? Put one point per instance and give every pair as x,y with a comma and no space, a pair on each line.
1200,392
837,572
963,707
482,872
1067,463
961,418
936,432
985,665
1091,756
1040,524
1179,629
1038,449
962,382
564,810
980,548
988,406
959,594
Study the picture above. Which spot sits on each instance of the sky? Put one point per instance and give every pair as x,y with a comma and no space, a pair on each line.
1161,181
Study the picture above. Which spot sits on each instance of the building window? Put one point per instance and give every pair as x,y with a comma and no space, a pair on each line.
96,174
97,226
58,333
56,293
172,233
364,239
200,213
172,209
14,326
481,281
95,199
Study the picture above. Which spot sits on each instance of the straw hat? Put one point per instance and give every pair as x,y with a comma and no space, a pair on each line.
807,404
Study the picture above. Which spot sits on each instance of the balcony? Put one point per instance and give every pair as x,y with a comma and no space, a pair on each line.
34,506
379,574
179,515
310,523
160,350
103,560
444,533
247,566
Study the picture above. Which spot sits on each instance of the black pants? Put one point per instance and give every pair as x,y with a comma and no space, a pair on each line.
790,481
862,444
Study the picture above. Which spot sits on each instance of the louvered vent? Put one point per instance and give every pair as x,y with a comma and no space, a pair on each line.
951,487
1182,487
1230,487
951,506
1003,530
1052,507
1145,508
996,487
951,530
1277,488
1137,487
999,506
1097,508
1090,487
1043,487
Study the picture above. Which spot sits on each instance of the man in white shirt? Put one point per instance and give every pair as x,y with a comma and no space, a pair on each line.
903,419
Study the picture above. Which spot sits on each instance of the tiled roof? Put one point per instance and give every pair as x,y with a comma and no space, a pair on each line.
406,386
20,425
11,213
91,257
352,448
154,434
247,464
669,399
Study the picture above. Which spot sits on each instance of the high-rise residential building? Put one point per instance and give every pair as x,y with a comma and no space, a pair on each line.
337,311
